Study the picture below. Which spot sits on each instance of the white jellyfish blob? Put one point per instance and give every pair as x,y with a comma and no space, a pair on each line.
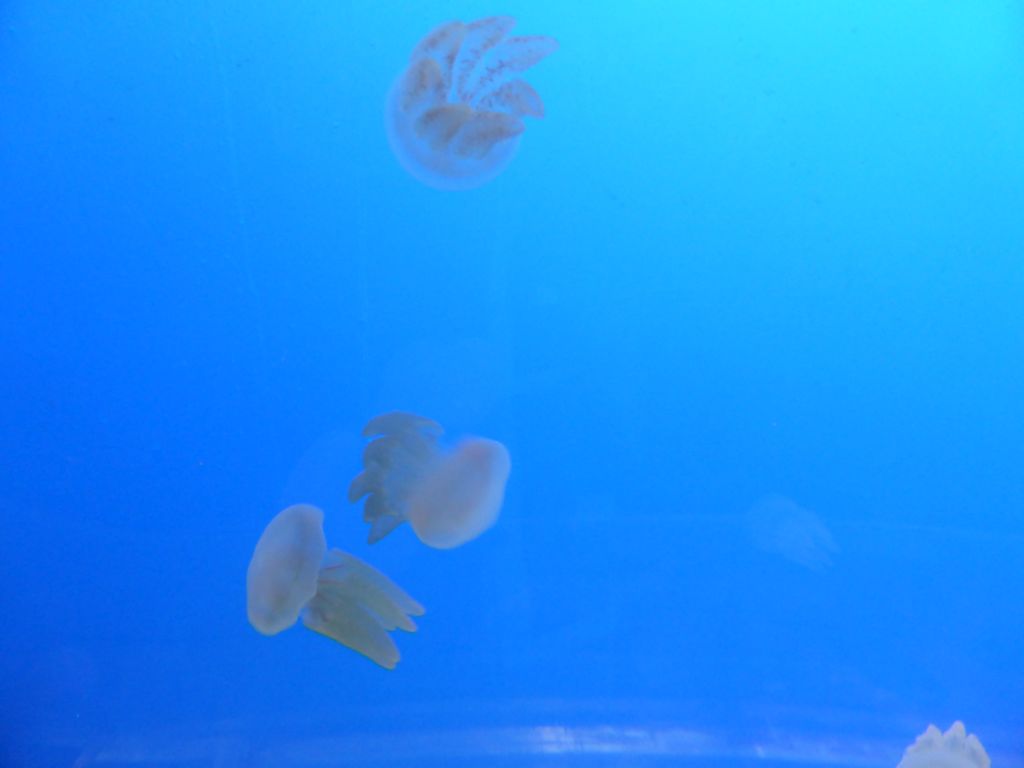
292,573
447,498
952,749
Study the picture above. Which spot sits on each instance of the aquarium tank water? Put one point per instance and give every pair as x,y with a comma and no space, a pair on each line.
410,384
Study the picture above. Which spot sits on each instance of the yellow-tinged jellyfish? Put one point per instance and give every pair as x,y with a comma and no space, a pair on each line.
337,594
449,498
455,114
952,749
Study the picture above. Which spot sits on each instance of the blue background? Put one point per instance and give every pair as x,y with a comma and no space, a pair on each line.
753,248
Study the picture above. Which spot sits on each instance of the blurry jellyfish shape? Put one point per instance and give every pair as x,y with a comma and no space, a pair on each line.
448,498
952,749
337,594
455,115
781,526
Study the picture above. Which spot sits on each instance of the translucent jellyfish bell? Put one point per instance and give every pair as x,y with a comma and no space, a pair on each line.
283,572
779,525
461,498
952,749
448,498
455,115
337,594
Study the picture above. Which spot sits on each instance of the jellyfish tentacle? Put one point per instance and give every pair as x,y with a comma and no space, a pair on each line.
442,45
352,625
344,574
422,86
478,136
383,525
387,450
516,97
364,483
366,573
509,58
395,422
481,36
438,125
403,449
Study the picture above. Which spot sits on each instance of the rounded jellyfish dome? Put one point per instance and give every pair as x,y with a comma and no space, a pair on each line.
455,115
282,575
462,497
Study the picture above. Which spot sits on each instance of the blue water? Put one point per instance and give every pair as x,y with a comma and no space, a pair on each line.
752,249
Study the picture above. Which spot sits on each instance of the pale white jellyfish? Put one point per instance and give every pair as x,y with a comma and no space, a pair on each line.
448,498
337,594
455,115
952,749
779,525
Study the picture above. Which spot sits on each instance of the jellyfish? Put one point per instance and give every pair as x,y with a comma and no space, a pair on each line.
455,115
781,526
952,749
292,573
448,498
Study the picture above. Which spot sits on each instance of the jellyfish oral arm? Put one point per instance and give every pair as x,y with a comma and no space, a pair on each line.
403,450
357,605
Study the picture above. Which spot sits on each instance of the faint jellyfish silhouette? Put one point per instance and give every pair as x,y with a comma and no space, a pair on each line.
780,526
952,749
455,115
337,594
448,498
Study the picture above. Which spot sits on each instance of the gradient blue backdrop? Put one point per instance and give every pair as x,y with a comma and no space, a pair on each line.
753,247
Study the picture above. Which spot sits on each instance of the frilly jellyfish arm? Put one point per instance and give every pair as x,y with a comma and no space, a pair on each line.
357,606
401,422
454,116
482,131
481,36
441,45
515,55
404,449
952,749
516,97
344,620
282,575
380,594
441,124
